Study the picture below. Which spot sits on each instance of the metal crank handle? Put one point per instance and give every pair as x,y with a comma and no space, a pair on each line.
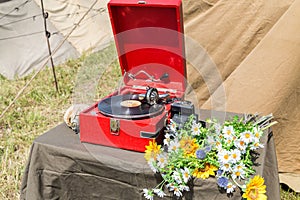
164,96
160,96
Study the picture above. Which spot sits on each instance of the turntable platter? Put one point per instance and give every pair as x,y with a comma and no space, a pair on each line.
123,106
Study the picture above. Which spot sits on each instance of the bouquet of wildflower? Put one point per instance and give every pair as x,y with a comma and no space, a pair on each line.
224,151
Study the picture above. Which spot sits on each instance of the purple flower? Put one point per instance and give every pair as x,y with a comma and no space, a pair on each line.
207,149
219,172
200,154
223,182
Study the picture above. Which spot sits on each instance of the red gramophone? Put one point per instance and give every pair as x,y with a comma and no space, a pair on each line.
150,44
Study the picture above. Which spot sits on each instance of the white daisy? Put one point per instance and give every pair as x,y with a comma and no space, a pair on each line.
218,145
256,144
167,139
148,194
159,192
176,177
228,131
174,188
185,174
257,132
152,165
174,146
173,126
240,145
235,155
184,188
162,160
230,187
196,129
226,167
247,136
170,186
224,156
177,192
228,141
240,166
238,172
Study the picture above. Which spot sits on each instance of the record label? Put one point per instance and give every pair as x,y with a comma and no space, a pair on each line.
130,103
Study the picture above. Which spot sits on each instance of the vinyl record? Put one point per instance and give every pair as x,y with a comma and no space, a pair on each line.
128,107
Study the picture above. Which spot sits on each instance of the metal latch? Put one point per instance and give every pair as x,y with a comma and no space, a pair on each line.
114,126
142,2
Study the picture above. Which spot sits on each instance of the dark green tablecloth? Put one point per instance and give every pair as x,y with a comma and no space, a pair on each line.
61,167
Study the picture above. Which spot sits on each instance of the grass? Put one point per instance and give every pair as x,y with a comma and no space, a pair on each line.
41,108
287,194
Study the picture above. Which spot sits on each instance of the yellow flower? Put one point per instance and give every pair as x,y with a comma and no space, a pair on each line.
189,146
205,172
152,150
255,189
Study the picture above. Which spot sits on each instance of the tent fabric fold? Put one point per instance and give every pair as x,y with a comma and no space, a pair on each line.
228,31
93,34
22,32
267,81
23,44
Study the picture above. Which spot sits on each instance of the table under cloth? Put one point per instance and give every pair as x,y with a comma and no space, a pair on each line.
61,167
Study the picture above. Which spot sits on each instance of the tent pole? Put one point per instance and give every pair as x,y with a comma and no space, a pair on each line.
48,34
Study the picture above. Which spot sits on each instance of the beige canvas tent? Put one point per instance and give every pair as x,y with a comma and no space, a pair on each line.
254,47
23,44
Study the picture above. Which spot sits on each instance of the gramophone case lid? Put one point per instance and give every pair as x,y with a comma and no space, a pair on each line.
149,37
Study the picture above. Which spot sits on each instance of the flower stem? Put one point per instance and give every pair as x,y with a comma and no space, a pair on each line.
240,186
